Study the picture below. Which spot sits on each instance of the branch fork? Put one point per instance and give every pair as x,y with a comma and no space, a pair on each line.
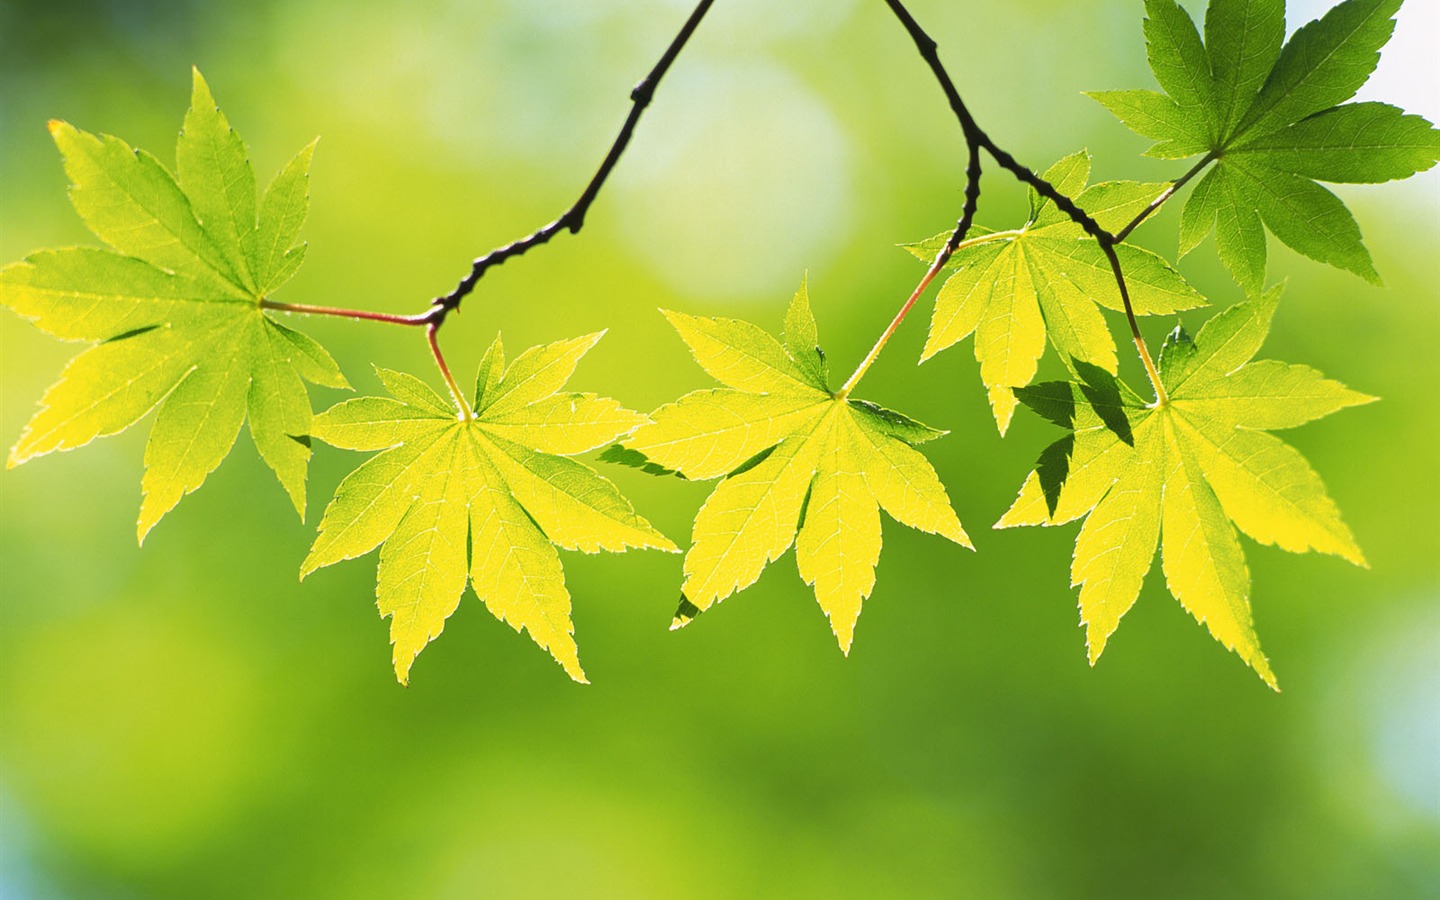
976,141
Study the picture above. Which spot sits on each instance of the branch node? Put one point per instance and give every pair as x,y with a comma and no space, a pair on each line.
643,93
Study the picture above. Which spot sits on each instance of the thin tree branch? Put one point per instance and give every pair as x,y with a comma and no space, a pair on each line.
929,51
976,137
573,219
976,140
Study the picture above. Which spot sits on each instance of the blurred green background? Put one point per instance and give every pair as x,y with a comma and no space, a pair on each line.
188,720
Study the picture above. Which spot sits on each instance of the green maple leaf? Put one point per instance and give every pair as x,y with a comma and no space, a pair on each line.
483,498
1180,473
1013,288
1275,121
799,464
175,308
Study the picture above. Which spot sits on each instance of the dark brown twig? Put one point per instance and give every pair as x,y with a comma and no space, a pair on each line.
574,217
976,138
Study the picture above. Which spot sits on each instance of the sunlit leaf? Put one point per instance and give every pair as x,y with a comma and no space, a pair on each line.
483,500
1185,475
1270,117
800,466
1013,289
174,309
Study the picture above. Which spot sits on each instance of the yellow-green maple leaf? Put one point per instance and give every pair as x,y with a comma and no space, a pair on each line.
175,308
1012,289
799,464
496,482
1181,472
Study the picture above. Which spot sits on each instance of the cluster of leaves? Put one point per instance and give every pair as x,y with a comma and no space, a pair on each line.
483,493
1268,121
176,307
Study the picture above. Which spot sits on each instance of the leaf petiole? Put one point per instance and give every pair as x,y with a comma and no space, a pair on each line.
930,273
338,312
431,320
1159,201
432,335
1161,398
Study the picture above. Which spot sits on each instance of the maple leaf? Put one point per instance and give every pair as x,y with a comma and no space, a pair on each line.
1181,472
1275,121
175,308
482,497
799,464
1013,288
